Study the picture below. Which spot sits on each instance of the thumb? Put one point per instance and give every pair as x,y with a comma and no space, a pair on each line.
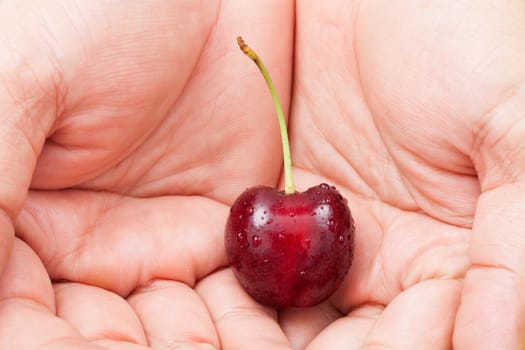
27,113
492,311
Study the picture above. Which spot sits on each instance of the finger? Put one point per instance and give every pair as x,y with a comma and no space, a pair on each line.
27,307
492,312
99,315
174,316
422,317
241,322
348,332
301,325
94,237
26,278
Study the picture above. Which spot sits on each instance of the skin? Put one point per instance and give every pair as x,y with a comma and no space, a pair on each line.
129,129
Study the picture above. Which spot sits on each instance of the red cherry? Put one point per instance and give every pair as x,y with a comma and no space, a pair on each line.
290,250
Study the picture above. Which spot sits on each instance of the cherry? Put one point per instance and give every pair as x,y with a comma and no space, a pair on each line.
287,248
290,250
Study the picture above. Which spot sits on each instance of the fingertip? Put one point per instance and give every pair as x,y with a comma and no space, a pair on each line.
242,323
25,277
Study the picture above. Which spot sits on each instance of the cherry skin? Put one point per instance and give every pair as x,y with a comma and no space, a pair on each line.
290,250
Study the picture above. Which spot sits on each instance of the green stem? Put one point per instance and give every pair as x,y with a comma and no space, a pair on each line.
289,187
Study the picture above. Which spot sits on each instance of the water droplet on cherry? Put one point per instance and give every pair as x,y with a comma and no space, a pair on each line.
256,240
307,242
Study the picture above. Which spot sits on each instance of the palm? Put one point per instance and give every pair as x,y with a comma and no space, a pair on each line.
143,219
139,237
391,120
408,250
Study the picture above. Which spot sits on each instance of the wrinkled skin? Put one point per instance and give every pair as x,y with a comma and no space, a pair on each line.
134,126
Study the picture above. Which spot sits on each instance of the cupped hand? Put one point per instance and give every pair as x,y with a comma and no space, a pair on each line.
416,111
133,125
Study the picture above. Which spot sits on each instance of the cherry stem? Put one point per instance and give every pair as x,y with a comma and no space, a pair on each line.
289,187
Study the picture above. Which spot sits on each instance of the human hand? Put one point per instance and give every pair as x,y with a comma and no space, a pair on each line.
138,130
415,111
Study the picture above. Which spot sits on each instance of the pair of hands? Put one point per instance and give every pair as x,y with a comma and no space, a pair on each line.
134,126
